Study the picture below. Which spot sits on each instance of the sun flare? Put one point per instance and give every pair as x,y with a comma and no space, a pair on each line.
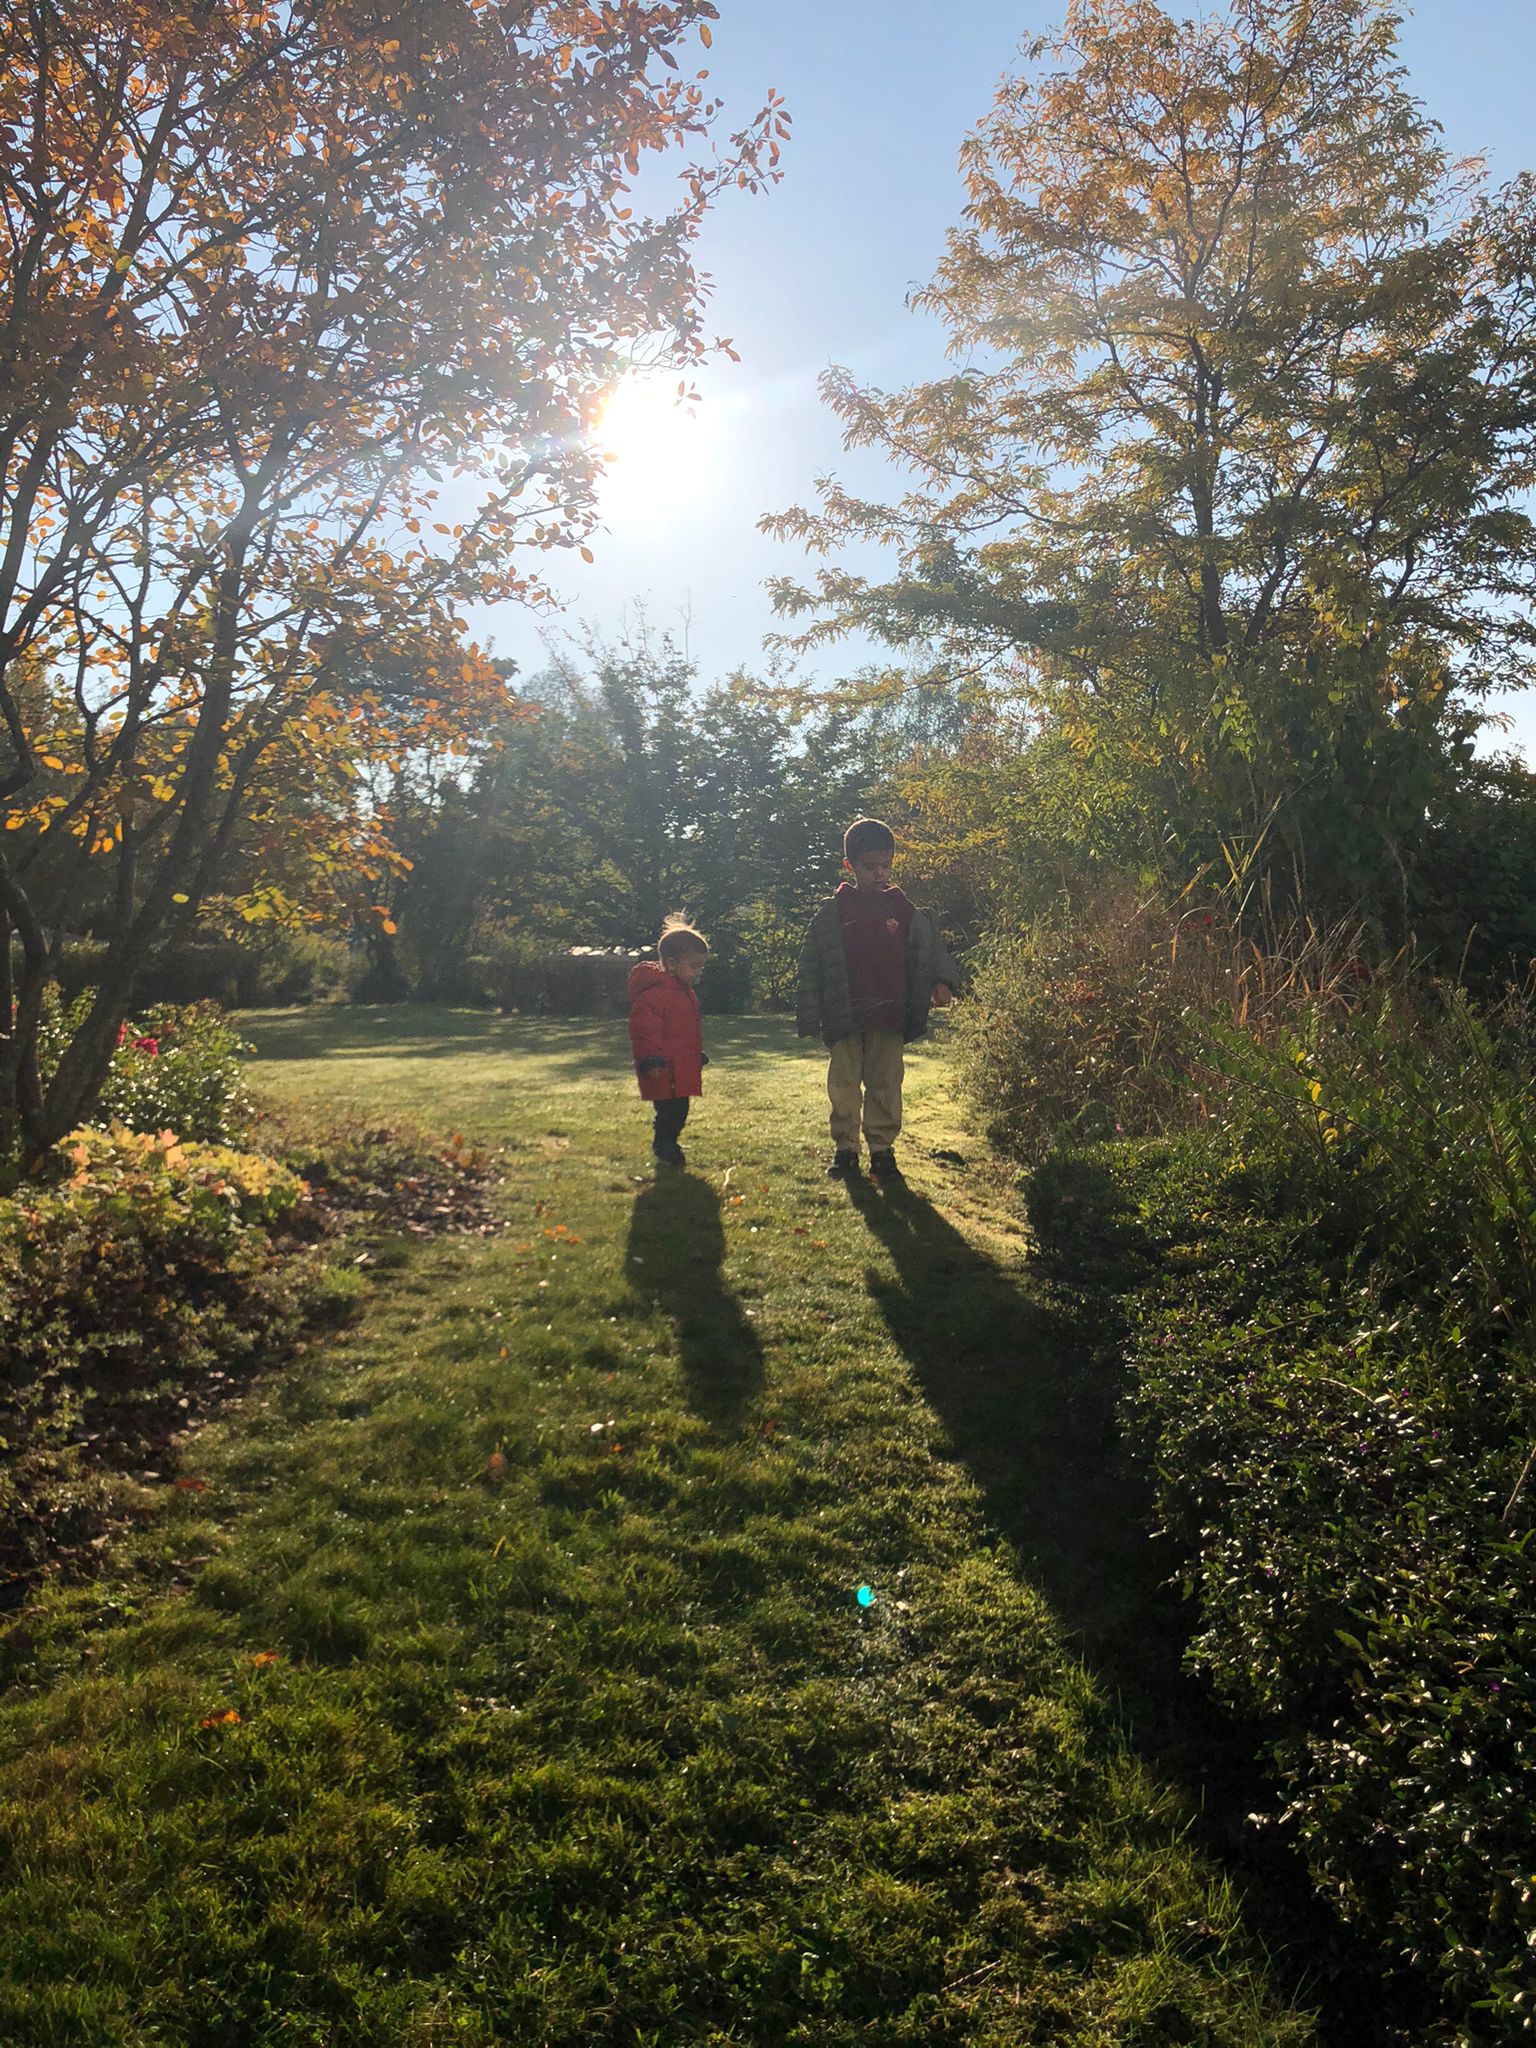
655,443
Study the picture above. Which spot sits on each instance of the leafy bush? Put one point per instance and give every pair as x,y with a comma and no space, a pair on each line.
147,1267
242,1187
1332,1382
121,1265
174,1069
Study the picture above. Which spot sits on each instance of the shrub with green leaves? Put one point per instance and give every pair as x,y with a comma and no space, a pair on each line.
143,1266
1333,1384
174,1069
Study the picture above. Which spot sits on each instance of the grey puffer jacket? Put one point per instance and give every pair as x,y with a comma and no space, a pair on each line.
823,1004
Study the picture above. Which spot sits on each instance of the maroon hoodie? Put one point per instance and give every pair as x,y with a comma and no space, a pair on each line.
875,947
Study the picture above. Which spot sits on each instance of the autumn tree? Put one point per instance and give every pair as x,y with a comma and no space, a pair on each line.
305,313
1228,484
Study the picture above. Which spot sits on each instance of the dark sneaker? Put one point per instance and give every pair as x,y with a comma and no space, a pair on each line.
845,1164
670,1155
882,1166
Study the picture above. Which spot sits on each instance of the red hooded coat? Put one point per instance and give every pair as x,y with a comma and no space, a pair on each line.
664,1019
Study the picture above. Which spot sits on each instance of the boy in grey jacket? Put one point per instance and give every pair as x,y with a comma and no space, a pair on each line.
871,968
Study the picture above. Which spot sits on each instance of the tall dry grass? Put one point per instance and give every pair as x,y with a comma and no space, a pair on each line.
1097,1021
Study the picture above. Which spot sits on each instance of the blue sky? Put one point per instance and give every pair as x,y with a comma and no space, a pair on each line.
817,270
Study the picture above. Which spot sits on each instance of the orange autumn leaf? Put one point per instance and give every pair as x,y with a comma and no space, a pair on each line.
229,1716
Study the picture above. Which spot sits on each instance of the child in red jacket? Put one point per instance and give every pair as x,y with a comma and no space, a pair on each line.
666,1033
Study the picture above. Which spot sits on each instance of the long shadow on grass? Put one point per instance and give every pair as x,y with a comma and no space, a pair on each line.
676,1256
1027,1388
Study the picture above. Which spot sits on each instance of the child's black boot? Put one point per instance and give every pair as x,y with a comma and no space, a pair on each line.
845,1164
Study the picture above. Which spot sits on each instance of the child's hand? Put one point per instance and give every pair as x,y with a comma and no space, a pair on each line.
652,1065
943,995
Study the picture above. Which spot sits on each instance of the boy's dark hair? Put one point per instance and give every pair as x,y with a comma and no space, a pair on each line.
867,835
679,939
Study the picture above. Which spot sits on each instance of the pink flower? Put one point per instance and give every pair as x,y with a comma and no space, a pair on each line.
149,1045
122,1033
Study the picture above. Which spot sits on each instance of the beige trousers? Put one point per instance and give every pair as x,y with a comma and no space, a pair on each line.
867,1065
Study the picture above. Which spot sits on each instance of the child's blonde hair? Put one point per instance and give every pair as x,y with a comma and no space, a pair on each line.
679,939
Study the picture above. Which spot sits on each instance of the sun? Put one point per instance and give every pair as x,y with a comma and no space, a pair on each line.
655,442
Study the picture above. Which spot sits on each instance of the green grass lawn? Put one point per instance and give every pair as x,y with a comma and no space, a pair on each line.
508,1681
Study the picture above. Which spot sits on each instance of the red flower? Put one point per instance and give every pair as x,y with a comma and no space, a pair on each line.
122,1033
149,1045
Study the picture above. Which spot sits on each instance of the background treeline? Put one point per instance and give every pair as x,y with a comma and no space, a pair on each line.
618,785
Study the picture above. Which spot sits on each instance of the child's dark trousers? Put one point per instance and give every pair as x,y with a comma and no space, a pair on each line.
671,1115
